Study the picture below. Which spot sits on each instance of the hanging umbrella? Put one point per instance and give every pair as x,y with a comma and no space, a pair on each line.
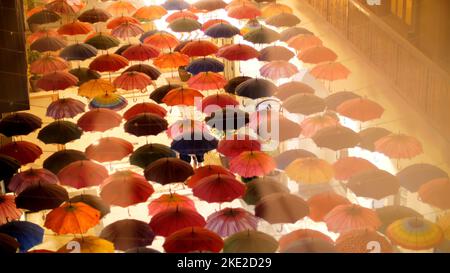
149,33
44,16
311,125
274,9
237,52
221,30
435,193
159,93
347,167
92,201
27,234
58,80
213,22
121,7
250,241
285,158
230,87
317,54
351,217
82,174
132,80
170,201
288,33
60,159
125,188
275,53
371,135
128,233
216,102
252,163
199,48
229,221
109,149
292,88
168,170
207,81
305,104
126,30
336,138
261,187
414,233
8,209
256,88
99,120
141,52
23,151
293,237
180,127
108,63
19,124
279,208
210,5
262,35
181,14
30,177
94,15
8,244
42,32
48,43
238,144
330,71
360,109
8,167
193,239
122,49
171,220
148,70
321,204
336,99
206,171
303,42
97,87
146,124
149,153
162,40
84,74
244,11
62,7
310,245
414,176
59,132
181,96
171,60
205,65
310,170
399,146
75,28
283,20
218,188
184,25
145,107
102,41
390,214
150,13
375,183
72,218
276,70
110,101
175,5
270,125
48,63
195,142
89,244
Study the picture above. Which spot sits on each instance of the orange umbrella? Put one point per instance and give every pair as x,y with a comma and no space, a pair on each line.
346,167
113,23
360,109
275,9
181,14
299,234
363,241
181,96
330,71
310,170
399,146
94,88
72,218
75,28
199,48
150,13
312,124
321,204
48,63
121,7
252,163
41,33
108,63
171,60
171,200
436,193
317,54
237,52
244,11
207,81
350,217
162,40
234,3
302,42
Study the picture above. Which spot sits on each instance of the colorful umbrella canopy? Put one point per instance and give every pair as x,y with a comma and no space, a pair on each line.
275,53
414,176
285,158
256,88
23,151
262,35
310,170
58,80
336,138
206,171
260,187
288,33
244,11
89,244
375,183
199,48
109,149
322,203
292,237
360,109
93,201
18,124
336,99
41,196
99,120
218,188
162,40
276,70
399,146
207,81
110,101
182,96
205,65
94,15
8,209
24,179
283,20
280,208
252,163
350,217
72,218
108,63
60,159
229,221
48,43
148,70
371,135
168,170
184,25
435,192
82,174
237,52
302,42
27,234
60,132
75,28
330,71
414,233
48,63
171,60
125,188
169,201
250,241
94,88
141,52
43,17
362,241
102,41
311,125
305,104
132,80
146,124
145,107
390,214
149,13
317,54
347,167
84,74
8,244
128,233
149,153
221,30
168,221
238,144
193,239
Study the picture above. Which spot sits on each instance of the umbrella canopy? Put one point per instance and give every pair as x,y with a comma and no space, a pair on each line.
330,71
159,93
209,5
145,107
206,171
214,102
229,221
84,74
132,80
292,88
181,14
321,204
302,42
175,5
168,170
72,218
305,104
109,149
191,239
8,209
270,125
276,70
347,167
126,30
310,170
171,60
102,41
93,201
361,241
360,109
283,20
146,124
62,7
274,9
221,30
375,183
169,201
336,138
94,15
288,33
195,142
30,177
27,234
8,244
371,135
250,241
110,101
41,196
181,96
336,99
82,174
42,32
199,48
262,35
60,132
252,163
260,187
99,120
48,43
23,151
18,124
58,80
141,52
275,53
128,233
350,217
390,214
317,54
212,22
238,144
237,52
205,65
414,233
244,11
184,25
414,176
48,63
60,159
96,87
313,124
75,28
207,81
218,188
8,167
293,237
121,7
43,17
286,157
435,193
89,244
125,188
150,13
148,70
399,146
279,208
108,63
230,87
149,153
171,220
256,88
227,119
162,40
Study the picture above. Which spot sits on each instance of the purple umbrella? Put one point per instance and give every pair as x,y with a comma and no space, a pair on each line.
228,221
65,108
22,180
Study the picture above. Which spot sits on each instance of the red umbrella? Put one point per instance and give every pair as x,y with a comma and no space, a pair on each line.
213,22
276,70
238,144
237,52
132,80
279,208
58,80
82,174
229,221
215,102
399,146
109,149
108,63
181,14
206,171
125,188
145,107
252,163
199,48
244,11
218,188
127,30
24,179
346,167
141,52
99,120
193,239
349,217
300,234
207,81
360,109
318,54
115,22
321,204
23,151
436,193
8,210
162,40
47,64
171,200
168,221
330,71
75,28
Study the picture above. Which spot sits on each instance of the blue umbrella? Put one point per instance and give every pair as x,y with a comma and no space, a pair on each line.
175,5
26,233
194,143
204,65
222,30
78,52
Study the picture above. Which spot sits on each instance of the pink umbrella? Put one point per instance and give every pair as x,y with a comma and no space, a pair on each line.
228,221
31,177
276,70
126,30
65,108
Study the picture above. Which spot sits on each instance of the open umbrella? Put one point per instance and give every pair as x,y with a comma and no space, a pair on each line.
252,163
180,127
399,146
204,65
82,174
414,176
149,13
102,41
274,9
184,25
169,201
230,87
371,135
207,81
141,52
305,104
168,170
132,80
145,124
206,171
72,218
181,14
443,221
256,88
209,5
276,70
62,7
435,192
159,93
8,244
8,167
238,144
194,143
244,11
330,71
99,120
250,241
344,218
229,221
292,88
285,158
288,33
270,125
171,60
58,160
94,15
162,40
126,30
293,237
360,109
260,187
347,167
128,233
48,43
302,42
168,221
112,101
275,53
48,63
317,54
216,102
182,96
43,17
280,208
390,214
336,138
283,20
93,201
125,188
18,124
41,196
262,35
60,132
30,177
237,52
375,183
212,22
23,151
145,107
221,30
311,125
321,204
41,32
218,188
199,48
193,239
148,70
359,241
310,170
108,63
175,5
75,28
89,244
27,234
58,80
96,87
8,209
121,7
109,149
149,153
84,74
337,98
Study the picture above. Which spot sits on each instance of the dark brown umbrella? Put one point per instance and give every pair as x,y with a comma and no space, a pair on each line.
256,88
8,244
41,196
370,135
305,104
414,176
149,70
58,160
146,124
93,201
128,233
168,170
376,184
227,119
230,87
159,93
19,124
336,138
261,187
279,208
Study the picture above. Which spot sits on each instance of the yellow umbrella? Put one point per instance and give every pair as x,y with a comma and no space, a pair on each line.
275,9
310,170
97,87
88,244
444,223
415,233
